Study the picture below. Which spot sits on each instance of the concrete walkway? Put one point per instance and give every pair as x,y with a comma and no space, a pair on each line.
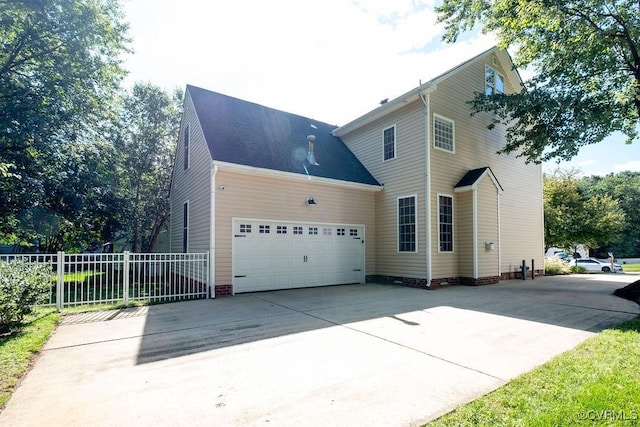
341,356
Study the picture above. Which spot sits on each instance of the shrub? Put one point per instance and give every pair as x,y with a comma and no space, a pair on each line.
577,269
555,266
22,285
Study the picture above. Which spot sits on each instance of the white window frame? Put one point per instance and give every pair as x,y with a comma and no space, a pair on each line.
186,141
185,227
490,85
453,133
450,196
395,145
415,223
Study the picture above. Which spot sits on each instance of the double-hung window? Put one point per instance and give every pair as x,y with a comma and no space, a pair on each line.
445,223
493,81
407,224
443,133
389,143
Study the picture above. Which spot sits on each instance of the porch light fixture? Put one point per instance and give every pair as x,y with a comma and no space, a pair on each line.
310,201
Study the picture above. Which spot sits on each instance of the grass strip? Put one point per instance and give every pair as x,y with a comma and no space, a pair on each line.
18,351
596,383
631,268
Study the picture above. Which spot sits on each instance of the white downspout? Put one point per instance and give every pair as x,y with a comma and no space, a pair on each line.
212,234
425,96
499,238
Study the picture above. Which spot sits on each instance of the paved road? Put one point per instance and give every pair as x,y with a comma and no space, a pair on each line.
340,356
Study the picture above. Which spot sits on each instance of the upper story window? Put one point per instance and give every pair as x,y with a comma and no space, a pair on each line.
443,133
389,143
493,81
186,147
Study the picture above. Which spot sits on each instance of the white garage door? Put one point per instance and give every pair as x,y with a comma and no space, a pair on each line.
271,255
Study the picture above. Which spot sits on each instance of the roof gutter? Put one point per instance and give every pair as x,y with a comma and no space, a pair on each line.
292,176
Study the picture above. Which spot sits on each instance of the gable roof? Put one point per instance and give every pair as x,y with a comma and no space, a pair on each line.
471,179
250,134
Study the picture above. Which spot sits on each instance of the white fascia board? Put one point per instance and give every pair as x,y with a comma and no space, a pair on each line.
474,186
384,109
271,173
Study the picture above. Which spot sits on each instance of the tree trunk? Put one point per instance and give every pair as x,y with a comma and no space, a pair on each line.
155,232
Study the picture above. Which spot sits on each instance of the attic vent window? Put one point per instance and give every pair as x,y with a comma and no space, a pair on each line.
494,82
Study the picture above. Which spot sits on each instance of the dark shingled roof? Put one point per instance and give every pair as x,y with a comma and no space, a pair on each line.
250,134
473,176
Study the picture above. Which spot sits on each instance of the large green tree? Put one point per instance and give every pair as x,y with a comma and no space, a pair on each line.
625,188
145,137
573,216
60,69
586,59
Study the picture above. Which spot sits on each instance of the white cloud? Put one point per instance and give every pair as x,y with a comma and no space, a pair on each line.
633,165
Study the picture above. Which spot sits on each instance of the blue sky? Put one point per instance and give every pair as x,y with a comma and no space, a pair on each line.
332,60
611,155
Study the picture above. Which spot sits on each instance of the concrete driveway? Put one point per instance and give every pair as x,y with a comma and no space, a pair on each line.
340,356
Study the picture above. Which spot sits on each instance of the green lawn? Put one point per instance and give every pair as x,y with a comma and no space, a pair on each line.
18,351
631,268
596,383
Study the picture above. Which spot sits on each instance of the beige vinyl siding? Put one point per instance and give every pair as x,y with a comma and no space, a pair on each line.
274,198
401,176
192,185
463,232
487,228
476,146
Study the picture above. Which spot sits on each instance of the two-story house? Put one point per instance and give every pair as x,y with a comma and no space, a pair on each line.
412,192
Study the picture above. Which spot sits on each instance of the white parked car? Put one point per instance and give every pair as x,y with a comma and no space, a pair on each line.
591,264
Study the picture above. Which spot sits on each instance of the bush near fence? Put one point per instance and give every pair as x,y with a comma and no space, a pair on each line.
22,286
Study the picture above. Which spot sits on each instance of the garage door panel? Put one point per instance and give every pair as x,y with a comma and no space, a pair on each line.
294,255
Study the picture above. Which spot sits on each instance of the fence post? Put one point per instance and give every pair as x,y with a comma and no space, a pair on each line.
125,278
60,281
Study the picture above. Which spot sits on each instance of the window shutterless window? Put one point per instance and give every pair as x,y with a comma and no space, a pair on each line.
185,227
445,223
407,224
443,133
389,143
186,147
493,81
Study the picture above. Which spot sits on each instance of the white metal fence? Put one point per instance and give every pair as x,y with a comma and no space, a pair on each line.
79,279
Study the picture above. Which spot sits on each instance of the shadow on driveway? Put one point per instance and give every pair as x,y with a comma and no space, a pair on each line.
583,302
365,355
